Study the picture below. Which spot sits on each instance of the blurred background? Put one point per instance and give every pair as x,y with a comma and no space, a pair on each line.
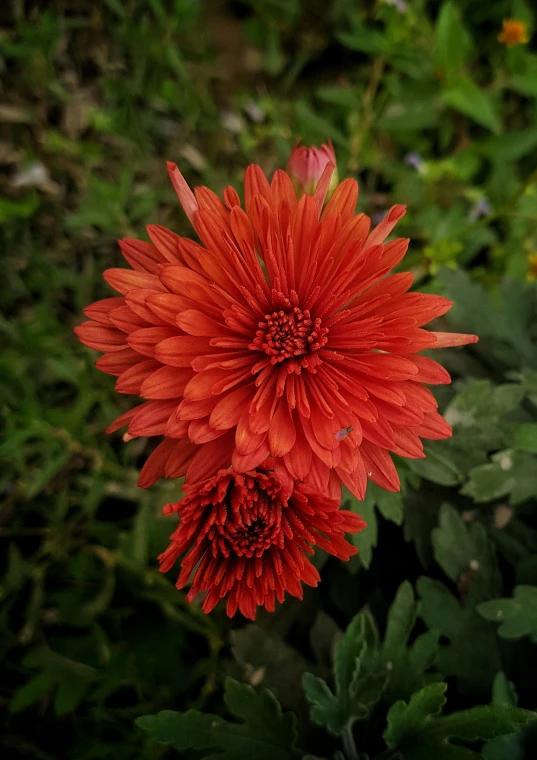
425,105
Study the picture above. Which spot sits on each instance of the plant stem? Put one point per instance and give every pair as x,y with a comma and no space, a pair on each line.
348,743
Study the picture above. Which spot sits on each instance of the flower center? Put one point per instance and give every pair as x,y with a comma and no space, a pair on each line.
249,530
285,334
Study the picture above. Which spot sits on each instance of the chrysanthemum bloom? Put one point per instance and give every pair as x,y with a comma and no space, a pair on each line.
306,166
282,334
513,33
245,537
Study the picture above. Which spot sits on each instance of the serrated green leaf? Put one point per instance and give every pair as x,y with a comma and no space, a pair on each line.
359,676
504,747
518,616
264,731
406,666
436,468
420,732
461,548
401,620
471,653
466,97
324,705
510,473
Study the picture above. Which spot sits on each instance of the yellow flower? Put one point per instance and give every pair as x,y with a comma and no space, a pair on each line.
532,271
514,32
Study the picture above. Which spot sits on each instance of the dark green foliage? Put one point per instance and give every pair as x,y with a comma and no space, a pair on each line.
424,106
264,732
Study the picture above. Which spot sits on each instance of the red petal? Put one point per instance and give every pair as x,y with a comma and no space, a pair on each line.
282,433
434,427
429,371
343,200
156,463
145,340
228,410
199,431
130,381
151,417
380,467
210,458
196,322
100,338
186,197
124,280
322,186
181,350
142,256
382,230
180,458
166,382
117,362
99,311
167,243
386,366
445,340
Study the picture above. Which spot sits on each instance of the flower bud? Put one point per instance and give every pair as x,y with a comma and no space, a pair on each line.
306,165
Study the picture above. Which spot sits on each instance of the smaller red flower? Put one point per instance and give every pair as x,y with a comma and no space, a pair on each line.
306,166
245,537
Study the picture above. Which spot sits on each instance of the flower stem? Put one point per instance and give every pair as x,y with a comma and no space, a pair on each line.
348,743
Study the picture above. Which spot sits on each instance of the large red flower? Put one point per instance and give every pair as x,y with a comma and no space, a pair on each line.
282,334
246,538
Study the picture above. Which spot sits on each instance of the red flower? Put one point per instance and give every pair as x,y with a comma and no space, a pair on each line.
281,335
246,538
306,166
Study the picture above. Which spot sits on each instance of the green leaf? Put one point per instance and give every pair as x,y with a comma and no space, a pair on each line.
359,676
30,692
504,747
364,39
283,666
471,652
264,732
512,146
510,473
518,616
406,666
390,506
525,84
411,114
467,98
366,539
503,691
449,47
419,731
525,438
461,548
436,468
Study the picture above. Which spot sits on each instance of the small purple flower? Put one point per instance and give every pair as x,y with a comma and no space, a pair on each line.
414,160
480,209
